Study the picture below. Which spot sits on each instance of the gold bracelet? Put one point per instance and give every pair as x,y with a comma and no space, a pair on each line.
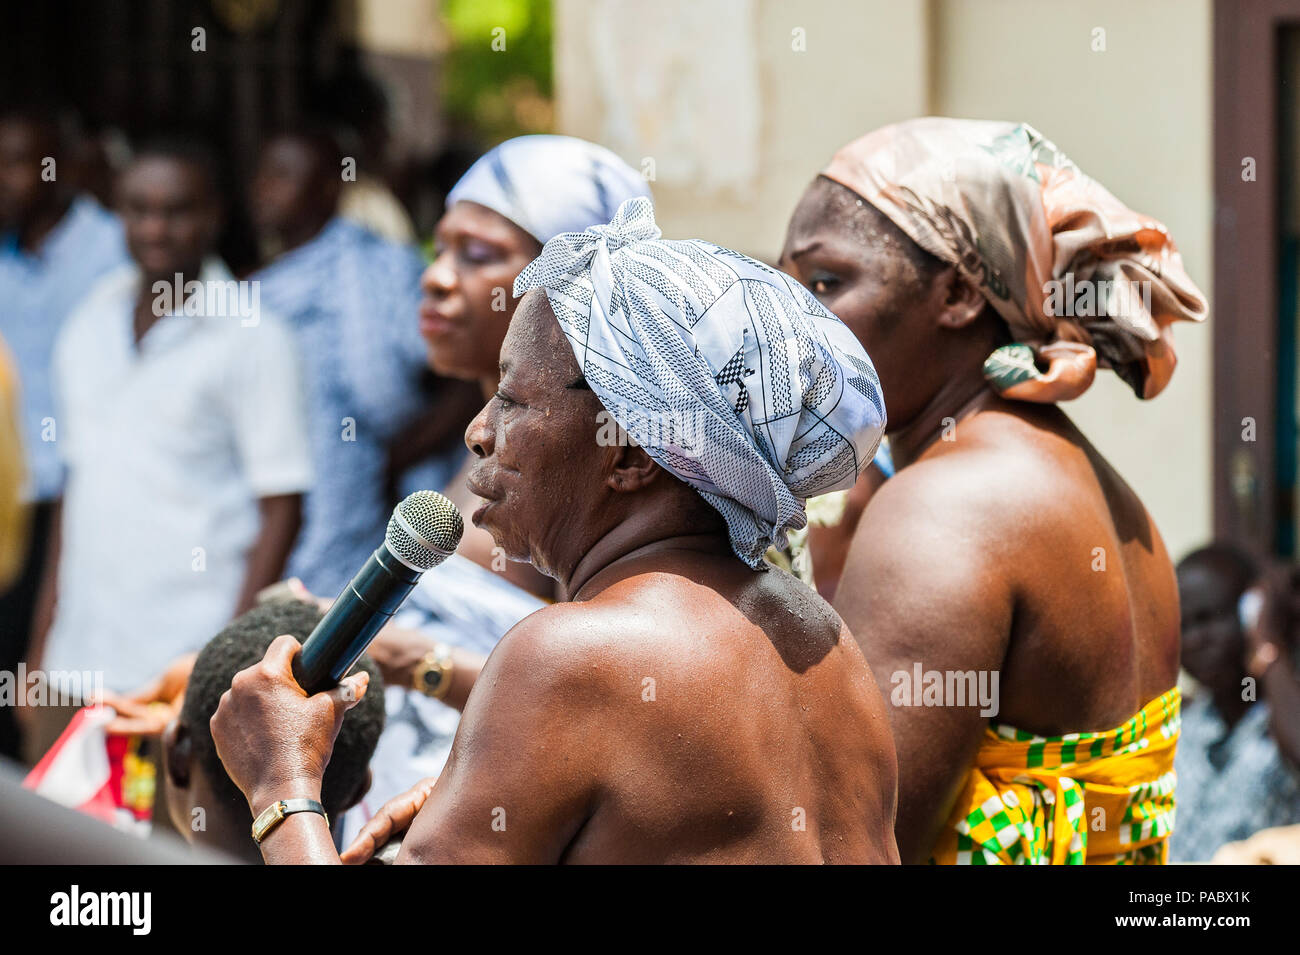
432,675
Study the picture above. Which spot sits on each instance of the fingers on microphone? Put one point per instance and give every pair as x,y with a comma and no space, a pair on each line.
348,693
280,654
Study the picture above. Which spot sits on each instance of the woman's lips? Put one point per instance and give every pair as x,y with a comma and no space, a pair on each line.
485,501
433,322
477,491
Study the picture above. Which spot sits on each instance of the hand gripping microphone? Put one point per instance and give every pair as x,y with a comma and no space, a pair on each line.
424,530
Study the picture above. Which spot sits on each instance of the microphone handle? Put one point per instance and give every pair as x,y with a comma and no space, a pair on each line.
362,608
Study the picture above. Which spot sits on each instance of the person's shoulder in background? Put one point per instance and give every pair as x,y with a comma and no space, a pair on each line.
370,203
112,289
102,226
398,256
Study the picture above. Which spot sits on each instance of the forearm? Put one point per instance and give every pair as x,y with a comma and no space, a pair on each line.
300,839
281,518
925,802
936,748
399,650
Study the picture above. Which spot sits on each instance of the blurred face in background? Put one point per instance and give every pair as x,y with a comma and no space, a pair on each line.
1213,646
23,149
291,190
468,290
170,214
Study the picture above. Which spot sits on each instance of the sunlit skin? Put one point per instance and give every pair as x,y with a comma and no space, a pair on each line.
986,551
682,707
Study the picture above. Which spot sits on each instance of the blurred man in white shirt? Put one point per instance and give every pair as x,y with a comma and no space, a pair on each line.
182,427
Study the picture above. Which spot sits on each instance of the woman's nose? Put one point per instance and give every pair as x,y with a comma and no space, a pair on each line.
439,278
479,436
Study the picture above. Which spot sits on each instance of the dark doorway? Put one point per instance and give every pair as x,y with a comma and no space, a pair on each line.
1256,255
134,67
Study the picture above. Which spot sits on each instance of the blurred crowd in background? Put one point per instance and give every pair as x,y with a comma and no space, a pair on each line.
273,440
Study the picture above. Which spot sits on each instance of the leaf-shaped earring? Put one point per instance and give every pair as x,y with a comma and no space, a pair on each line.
1009,366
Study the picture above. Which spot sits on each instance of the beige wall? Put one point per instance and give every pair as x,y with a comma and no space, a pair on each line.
864,65
395,27
1135,116
402,42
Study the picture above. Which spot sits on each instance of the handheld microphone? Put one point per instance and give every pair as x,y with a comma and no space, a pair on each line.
425,530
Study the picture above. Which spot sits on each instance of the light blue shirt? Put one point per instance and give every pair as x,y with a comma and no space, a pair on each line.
38,291
352,298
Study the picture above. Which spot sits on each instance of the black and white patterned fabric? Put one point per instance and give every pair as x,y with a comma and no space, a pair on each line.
729,373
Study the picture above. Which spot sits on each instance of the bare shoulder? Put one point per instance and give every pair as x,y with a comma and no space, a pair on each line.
1002,482
561,649
938,506
591,652
932,560
687,624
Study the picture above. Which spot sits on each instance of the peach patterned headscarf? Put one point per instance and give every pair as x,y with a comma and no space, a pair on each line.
1080,278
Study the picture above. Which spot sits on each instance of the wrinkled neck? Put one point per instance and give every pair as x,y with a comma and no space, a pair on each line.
633,539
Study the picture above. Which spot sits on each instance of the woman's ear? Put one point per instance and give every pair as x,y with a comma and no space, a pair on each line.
963,301
178,751
632,468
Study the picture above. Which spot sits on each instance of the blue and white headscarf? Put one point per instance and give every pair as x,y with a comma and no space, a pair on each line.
550,184
728,372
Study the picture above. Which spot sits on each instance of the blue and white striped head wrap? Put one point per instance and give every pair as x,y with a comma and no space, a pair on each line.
728,372
550,184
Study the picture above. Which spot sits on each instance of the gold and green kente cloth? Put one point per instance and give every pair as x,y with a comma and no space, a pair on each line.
1102,798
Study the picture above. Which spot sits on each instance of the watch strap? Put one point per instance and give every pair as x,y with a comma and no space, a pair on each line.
274,814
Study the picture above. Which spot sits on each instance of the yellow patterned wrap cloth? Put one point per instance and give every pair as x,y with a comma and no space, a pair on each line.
1102,798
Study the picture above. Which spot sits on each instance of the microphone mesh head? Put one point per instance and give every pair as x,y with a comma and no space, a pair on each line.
425,530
